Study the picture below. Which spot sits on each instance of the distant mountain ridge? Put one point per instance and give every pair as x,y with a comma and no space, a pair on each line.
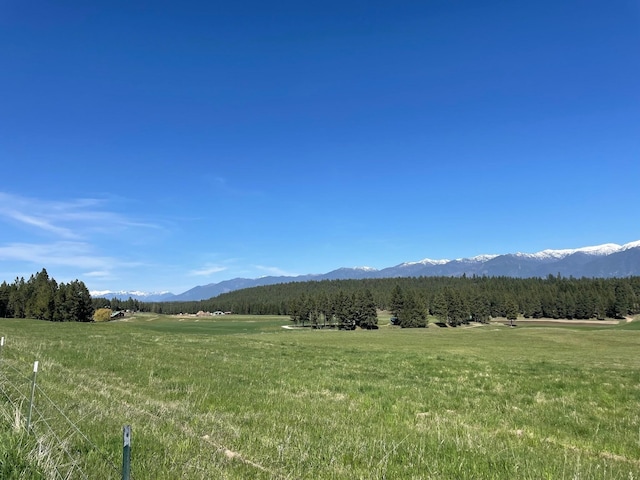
135,294
603,261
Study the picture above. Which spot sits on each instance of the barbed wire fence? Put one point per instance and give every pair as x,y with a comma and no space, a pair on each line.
57,446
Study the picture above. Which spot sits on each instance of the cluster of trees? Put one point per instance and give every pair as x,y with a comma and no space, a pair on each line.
338,310
452,300
115,304
43,298
407,308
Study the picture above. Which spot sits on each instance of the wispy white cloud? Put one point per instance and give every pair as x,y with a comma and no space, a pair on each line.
207,270
35,221
65,220
68,254
70,259
99,274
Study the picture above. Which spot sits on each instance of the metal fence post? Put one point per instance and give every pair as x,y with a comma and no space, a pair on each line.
126,452
33,393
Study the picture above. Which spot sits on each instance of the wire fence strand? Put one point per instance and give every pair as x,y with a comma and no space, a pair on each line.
55,432
60,443
77,430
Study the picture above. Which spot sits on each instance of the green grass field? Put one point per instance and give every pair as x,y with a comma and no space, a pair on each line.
240,397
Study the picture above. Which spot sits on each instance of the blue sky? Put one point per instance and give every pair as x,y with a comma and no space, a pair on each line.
162,145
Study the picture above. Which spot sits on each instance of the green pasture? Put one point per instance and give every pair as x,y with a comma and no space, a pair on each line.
239,397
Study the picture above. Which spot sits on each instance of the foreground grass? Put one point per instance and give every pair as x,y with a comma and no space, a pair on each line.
18,457
240,397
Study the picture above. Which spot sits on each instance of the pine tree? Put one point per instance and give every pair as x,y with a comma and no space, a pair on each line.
439,308
322,307
79,302
62,311
294,310
367,313
413,314
456,313
5,292
511,309
396,304
585,304
624,298
17,299
43,302
342,310
480,309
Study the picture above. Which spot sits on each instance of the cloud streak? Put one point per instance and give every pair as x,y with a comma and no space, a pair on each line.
68,254
64,220
207,270
80,237
38,222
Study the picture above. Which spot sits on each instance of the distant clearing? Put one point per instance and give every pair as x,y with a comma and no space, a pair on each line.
552,321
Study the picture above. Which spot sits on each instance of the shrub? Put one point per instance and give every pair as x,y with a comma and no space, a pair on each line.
102,315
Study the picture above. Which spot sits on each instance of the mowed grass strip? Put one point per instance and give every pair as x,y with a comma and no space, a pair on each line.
241,397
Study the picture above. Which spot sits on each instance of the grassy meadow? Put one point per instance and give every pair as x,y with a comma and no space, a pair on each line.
239,397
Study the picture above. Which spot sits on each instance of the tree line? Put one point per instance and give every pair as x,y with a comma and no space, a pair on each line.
350,303
452,300
43,298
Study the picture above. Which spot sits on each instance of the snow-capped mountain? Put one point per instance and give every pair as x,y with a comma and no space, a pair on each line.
135,294
426,261
605,261
606,249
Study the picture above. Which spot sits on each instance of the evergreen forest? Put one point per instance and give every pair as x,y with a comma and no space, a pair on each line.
43,298
348,304
451,300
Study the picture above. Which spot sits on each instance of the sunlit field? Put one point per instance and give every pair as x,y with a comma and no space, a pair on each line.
239,397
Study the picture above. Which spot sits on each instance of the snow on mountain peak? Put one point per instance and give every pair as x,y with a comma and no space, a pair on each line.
549,254
629,245
366,269
136,293
99,293
478,258
426,261
605,249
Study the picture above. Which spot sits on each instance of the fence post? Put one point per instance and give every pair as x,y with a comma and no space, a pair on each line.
126,452
33,393
1,346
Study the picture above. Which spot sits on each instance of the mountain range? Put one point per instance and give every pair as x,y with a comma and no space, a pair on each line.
602,261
